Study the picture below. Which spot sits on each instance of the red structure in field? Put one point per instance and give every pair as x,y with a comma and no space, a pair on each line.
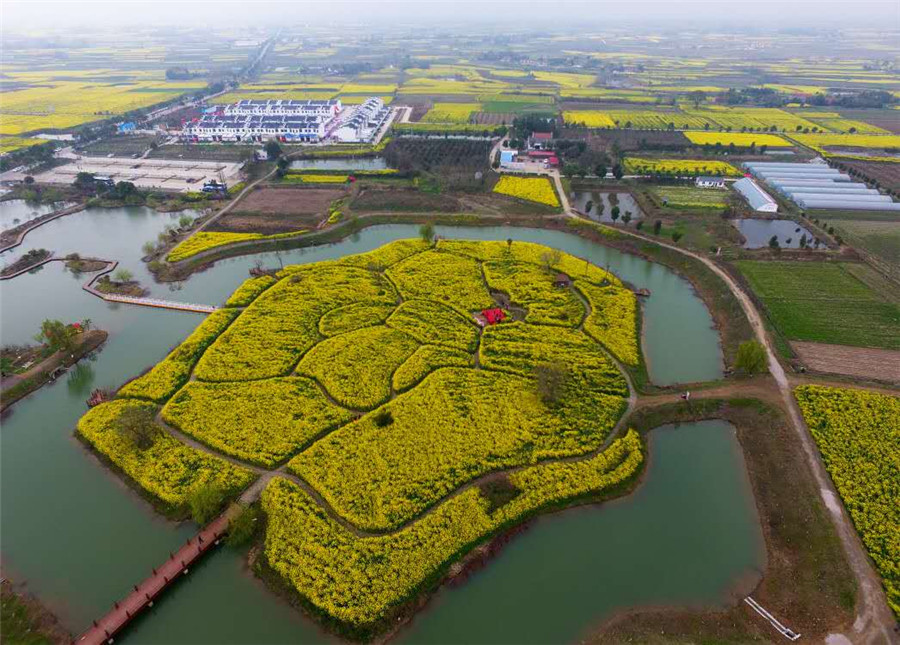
493,316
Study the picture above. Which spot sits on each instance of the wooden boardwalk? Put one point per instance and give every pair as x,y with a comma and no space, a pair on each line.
144,594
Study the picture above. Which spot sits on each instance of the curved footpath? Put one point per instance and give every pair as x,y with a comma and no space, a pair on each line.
37,222
874,621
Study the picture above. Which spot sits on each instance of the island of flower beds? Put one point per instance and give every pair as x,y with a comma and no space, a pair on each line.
410,430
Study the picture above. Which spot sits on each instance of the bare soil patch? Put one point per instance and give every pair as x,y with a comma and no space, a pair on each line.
279,210
886,173
409,200
859,362
289,201
493,118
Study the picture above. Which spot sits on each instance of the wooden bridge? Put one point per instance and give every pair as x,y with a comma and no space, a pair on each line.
144,594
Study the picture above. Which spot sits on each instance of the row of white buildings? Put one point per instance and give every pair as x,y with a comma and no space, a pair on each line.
291,121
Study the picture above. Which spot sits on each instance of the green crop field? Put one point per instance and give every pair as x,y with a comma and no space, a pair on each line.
823,302
879,238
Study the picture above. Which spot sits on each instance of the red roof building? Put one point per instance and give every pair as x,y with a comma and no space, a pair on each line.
493,316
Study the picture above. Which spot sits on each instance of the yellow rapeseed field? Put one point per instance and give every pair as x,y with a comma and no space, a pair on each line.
534,189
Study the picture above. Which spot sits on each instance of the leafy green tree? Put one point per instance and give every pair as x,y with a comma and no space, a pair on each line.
122,275
676,235
626,218
242,526
697,97
205,500
571,169
426,232
85,181
657,227
614,213
57,335
273,149
552,379
617,171
600,170
773,243
135,425
751,357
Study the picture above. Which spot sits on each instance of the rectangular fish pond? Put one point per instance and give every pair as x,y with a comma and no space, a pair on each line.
758,232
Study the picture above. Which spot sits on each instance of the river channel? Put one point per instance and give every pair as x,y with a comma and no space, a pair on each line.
81,538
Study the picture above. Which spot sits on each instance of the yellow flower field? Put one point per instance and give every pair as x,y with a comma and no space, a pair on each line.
370,378
204,240
58,105
533,189
740,139
359,580
685,167
450,112
167,469
858,433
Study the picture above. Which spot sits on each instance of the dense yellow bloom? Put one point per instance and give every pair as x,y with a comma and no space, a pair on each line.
370,375
168,469
171,373
533,189
430,322
456,425
248,291
424,361
355,316
63,104
858,434
519,347
450,112
283,323
312,178
740,139
572,266
262,422
355,368
532,286
205,240
446,278
359,580
634,165
613,320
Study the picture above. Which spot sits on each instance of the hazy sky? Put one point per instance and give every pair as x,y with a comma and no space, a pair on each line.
30,14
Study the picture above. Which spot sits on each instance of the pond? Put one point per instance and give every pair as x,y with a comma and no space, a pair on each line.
598,205
107,233
758,232
81,537
343,163
17,211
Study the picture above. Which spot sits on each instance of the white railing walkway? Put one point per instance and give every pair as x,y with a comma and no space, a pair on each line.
161,304
789,634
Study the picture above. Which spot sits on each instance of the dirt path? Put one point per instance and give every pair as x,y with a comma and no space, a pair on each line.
874,621
763,388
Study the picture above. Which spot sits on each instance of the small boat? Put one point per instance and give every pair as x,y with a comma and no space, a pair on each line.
98,396
642,292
